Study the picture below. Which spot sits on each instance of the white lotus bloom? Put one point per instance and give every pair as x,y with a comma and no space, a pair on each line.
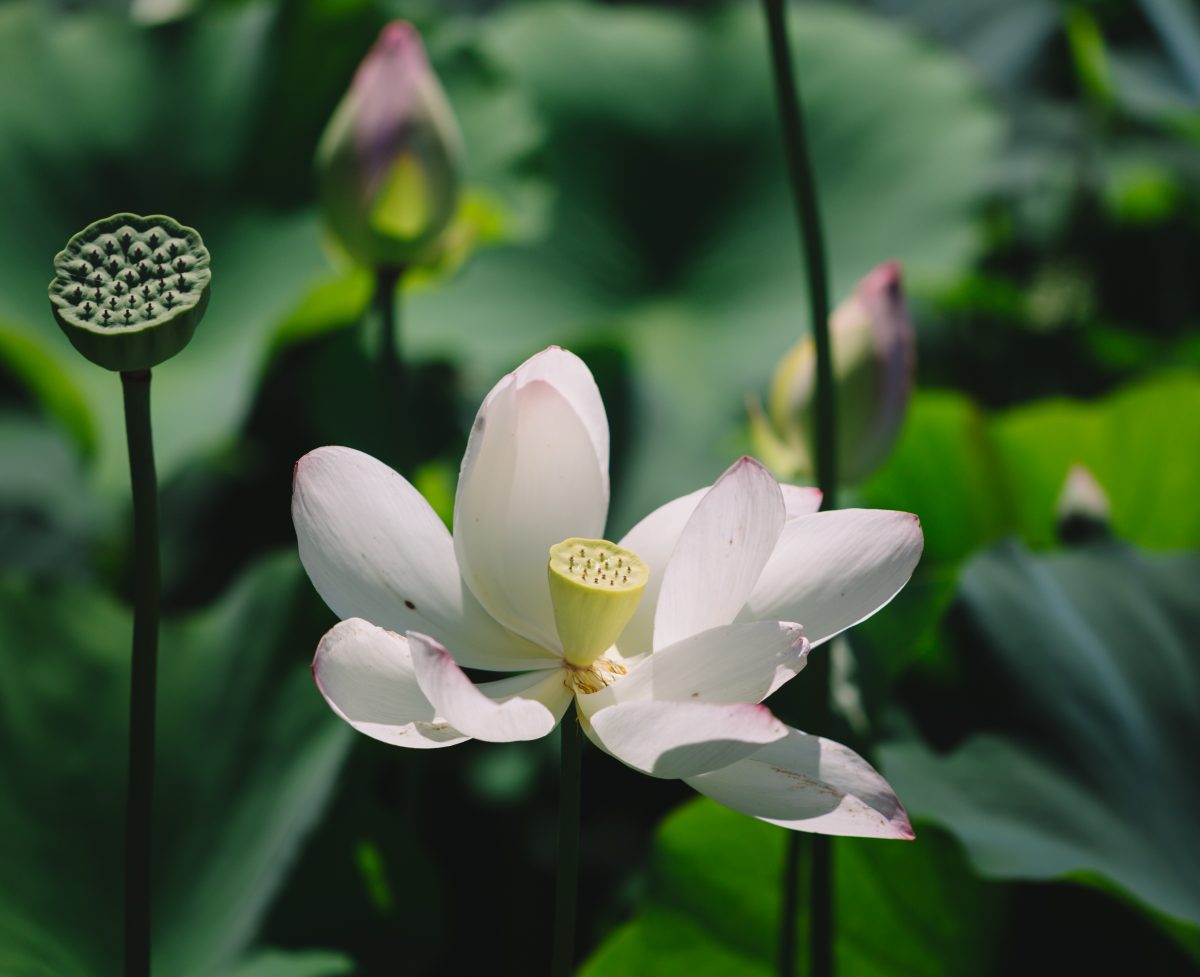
737,582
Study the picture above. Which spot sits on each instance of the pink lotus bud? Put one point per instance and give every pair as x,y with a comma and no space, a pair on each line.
874,357
1082,509
388,162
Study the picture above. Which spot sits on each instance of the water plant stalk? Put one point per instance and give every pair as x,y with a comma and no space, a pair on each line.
567,882
143,672
802,179
393,381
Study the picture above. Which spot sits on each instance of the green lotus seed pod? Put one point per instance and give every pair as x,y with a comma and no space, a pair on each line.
128,291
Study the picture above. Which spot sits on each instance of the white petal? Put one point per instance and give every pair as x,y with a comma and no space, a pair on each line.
374,549
720,554
531,477
525,707
834,569
654,539
810,784
568,374
682,739
366,675
800,500
730,664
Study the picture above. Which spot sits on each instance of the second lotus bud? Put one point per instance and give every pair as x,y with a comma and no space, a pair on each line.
874,357
388,164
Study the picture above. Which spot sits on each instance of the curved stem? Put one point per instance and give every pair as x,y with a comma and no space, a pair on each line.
143,668
393,382
808,217
567,882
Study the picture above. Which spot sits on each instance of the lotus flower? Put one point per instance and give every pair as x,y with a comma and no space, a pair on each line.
668,641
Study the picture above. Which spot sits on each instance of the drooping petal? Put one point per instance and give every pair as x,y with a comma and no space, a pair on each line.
729,664
654,539
681,739
834,569
720,553
366,675
810,784
524,707
533,475
374,549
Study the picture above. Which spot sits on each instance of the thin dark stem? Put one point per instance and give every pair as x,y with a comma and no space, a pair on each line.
820,923
393,380
143,668
568,847
808,217
786,951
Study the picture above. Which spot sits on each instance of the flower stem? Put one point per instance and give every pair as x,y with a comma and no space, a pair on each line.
393,381
568,845
808,217
143,667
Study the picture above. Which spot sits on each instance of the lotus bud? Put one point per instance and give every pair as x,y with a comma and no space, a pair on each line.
874,356
388,163
1082,508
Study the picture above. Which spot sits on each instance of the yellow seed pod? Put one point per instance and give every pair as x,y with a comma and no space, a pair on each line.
595,586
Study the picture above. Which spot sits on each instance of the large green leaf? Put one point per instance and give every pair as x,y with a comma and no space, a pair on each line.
247,755
1095,650
974,477
1141,444
713,906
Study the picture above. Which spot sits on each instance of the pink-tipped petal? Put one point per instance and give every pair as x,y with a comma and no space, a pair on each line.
654,539
800,500
808,783
834,569
720,554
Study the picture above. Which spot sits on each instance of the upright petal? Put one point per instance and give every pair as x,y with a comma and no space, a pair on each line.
730,664
525,707
682,739
810,784
834,569
720,553
534,474
366,675
374,549
568,374
654,539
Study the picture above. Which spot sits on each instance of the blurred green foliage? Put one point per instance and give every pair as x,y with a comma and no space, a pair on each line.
714,904
1034,166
